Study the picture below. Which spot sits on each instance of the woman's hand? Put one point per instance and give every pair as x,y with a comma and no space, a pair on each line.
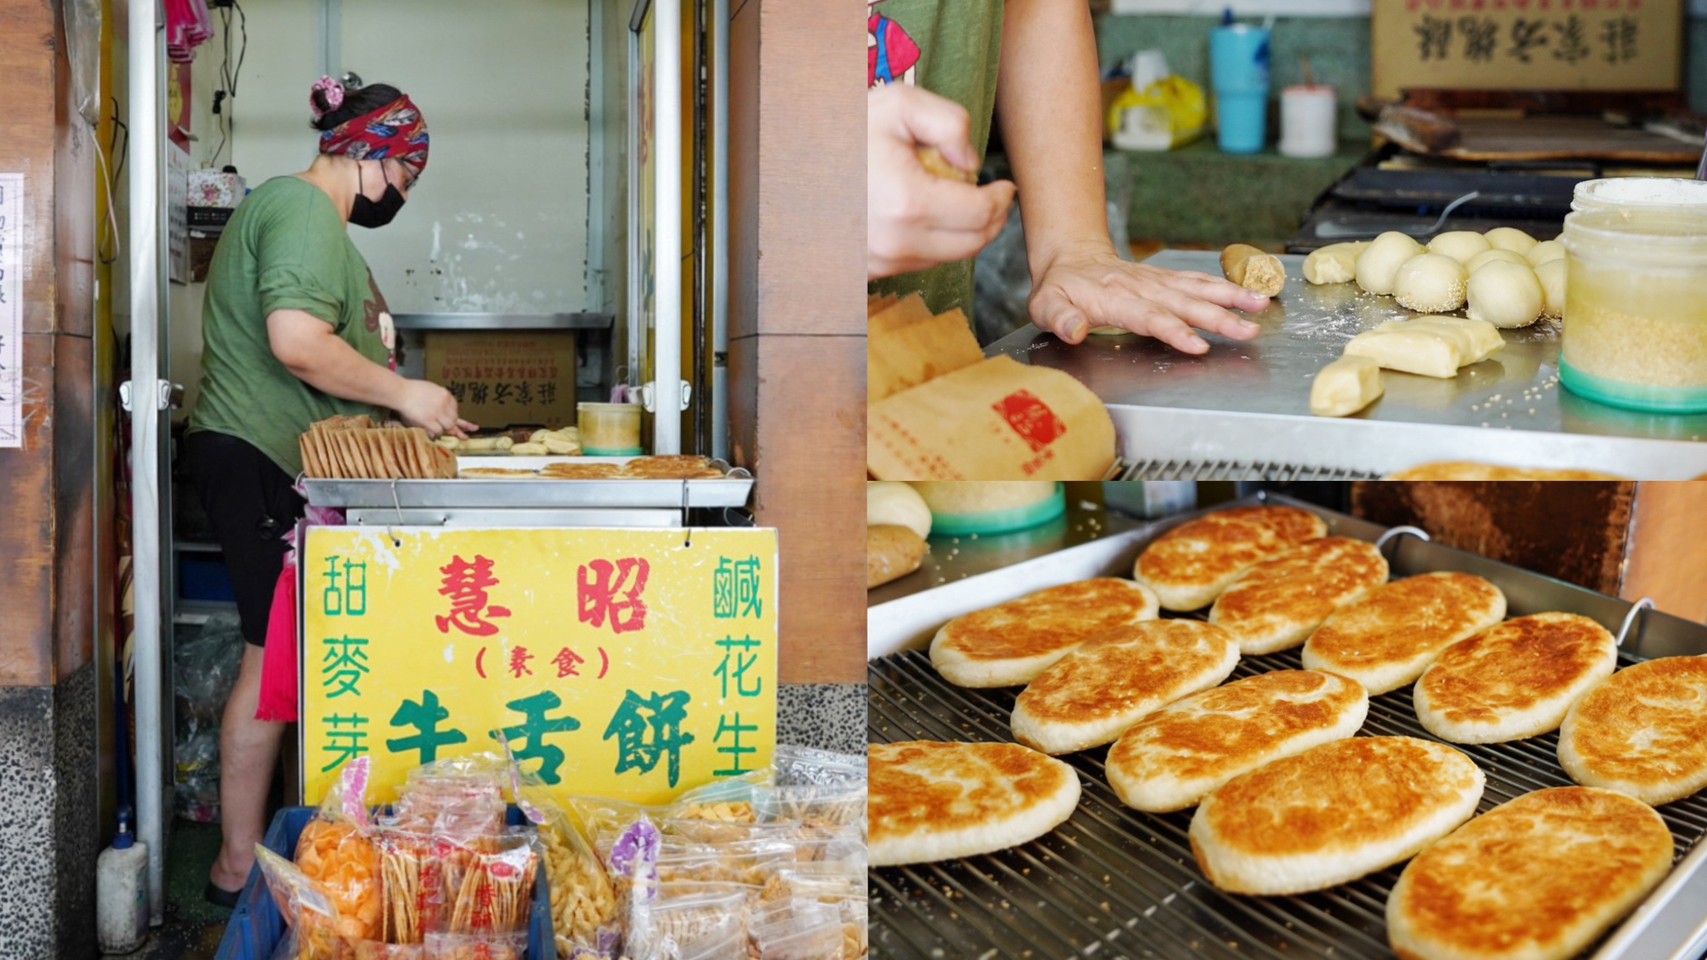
914,220
431,407
1092,287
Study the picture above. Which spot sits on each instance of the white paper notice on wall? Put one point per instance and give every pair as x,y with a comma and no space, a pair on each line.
11,309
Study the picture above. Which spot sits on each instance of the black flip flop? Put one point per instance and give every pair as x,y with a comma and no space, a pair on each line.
221,897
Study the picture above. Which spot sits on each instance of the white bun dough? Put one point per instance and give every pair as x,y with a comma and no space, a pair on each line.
1430,283
1551,276
1486,257
1460,245
1334,263
1379,264
1505,294
1544,251
1509,238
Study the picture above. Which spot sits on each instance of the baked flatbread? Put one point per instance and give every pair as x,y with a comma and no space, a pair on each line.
671,467
937,801
1455,470
1094,693
498,473
1174,757
581,471
1537,878
1642,731
1387,639
1332,814
1011,644
1514,680
1277,603
1190,565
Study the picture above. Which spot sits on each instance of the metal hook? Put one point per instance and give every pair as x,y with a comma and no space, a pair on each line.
1395,532
687,531
1630,619
396,504
1262,496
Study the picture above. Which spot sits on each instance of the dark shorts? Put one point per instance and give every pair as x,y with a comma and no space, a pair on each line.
251,506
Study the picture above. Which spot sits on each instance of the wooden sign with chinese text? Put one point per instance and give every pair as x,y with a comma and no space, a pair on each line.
1527,45
505,377
620,663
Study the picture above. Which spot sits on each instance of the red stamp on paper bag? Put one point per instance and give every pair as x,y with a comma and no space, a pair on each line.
1031,418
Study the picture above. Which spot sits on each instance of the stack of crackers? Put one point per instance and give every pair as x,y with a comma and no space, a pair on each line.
356,448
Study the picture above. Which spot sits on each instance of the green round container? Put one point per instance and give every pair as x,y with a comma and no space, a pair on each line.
635,452
1000,521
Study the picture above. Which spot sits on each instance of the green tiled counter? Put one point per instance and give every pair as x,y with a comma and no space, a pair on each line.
1199,195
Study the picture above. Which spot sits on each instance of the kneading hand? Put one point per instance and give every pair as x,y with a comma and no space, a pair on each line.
1092,287
914,220
431,407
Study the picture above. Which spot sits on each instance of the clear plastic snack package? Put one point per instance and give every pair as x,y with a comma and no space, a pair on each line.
337,849
411,866
308,908
459,797
795,765
747,862
489,881
815,804
790,930
374,950
583,901
457,946
709,926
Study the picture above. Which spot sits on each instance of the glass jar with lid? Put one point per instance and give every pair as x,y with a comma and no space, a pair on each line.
1641,194
1635,318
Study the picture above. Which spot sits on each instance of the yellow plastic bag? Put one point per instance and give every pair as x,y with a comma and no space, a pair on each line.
1166,115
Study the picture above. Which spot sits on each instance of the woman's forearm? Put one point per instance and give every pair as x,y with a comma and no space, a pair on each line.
1050,104
317,356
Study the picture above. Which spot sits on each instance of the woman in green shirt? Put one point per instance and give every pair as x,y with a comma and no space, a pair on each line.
1033,64
295,331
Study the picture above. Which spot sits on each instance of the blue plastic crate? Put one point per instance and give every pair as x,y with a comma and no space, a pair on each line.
255,927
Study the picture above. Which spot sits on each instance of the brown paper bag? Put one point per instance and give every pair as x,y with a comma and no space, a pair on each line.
907,346
995,420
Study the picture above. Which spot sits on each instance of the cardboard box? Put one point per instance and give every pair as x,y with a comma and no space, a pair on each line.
1527,45
506,378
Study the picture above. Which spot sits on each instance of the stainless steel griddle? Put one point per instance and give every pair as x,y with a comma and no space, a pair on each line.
1113,882
1242,410
731,490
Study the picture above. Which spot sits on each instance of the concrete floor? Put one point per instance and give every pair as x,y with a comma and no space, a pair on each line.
193,926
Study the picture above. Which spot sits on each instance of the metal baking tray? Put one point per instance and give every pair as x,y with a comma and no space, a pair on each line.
730,491
1248,403
1113,882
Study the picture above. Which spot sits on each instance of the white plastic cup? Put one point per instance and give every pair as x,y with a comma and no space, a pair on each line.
1309,121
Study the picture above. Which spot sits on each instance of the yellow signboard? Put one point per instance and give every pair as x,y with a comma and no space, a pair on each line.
621,663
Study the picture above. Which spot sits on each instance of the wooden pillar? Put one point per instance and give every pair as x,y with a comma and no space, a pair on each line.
797,337
49,833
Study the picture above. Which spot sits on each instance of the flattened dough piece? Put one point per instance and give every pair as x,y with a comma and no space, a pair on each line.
1334,263
1345,386
1419,350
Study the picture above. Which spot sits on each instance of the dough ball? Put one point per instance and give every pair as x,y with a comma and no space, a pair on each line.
1334,263
1509,238
1430,283
1551,276
1378,265
1505,294
1544,251
892,502
1486,257
1460,245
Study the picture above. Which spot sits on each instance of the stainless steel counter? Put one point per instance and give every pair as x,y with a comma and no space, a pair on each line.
1248,403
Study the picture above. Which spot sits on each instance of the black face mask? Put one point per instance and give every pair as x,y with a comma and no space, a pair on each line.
370,213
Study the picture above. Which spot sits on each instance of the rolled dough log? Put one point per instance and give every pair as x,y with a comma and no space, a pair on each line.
1345,386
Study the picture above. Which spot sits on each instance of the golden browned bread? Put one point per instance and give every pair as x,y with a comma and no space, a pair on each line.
1173,757
1113,681
671,467
581,471
1387,639
1456,470
1277,603
1537,878
1642,731
935,801
1012,643
1332,814
1190,565
1514,680
498,473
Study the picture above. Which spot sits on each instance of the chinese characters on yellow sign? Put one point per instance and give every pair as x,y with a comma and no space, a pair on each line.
1527,44
622,663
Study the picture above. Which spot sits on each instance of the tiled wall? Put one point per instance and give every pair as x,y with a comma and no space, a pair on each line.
1338,48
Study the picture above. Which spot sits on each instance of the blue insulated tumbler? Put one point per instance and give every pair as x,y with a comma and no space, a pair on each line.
1238,67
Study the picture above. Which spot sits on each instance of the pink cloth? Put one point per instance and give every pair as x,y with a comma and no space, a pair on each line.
188,25
278,660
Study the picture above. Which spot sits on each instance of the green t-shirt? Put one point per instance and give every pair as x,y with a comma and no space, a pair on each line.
952,49
285,248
